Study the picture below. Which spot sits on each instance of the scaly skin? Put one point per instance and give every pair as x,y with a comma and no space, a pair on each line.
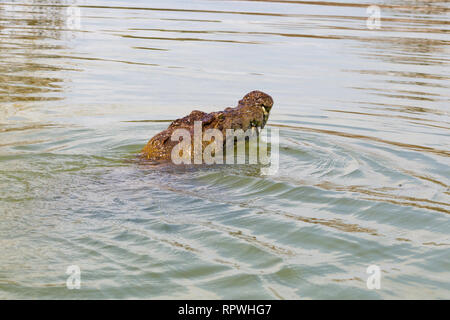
252,111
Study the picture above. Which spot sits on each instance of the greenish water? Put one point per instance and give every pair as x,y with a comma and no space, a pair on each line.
364,150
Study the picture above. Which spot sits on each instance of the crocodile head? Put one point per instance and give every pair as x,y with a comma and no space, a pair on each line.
252,112
260,101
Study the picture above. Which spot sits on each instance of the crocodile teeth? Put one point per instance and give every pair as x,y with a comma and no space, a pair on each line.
255,130
264,111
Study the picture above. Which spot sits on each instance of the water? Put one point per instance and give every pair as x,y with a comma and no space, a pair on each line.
364,170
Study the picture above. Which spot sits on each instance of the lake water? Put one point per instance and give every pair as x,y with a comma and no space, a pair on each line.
364,176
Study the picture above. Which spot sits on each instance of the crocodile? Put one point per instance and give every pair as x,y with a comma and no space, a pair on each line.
251,112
